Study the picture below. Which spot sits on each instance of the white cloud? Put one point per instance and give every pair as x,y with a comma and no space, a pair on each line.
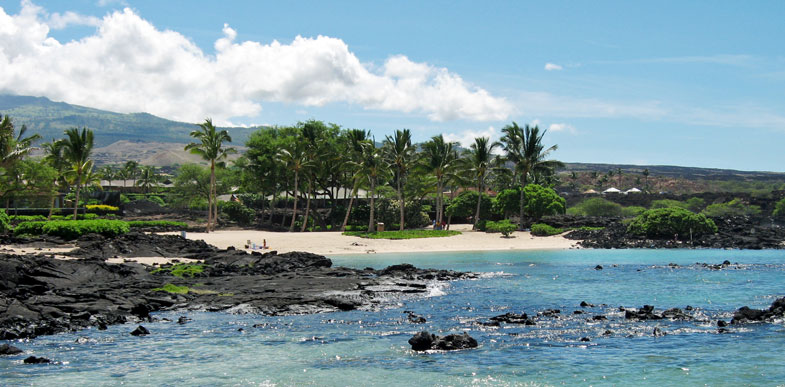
129,65
466,137
552,67
562,128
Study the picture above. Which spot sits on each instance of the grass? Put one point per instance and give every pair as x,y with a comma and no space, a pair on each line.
405,234
181,270
174,289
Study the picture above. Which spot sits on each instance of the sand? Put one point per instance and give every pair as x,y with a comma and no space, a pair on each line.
333,243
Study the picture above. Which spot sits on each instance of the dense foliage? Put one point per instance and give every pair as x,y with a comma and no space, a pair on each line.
5,222
541,229
596,207
667,203
406,234
541,201
156,224
632,211
238,212
72,229
667,222
101,208
465,204
503,226
734,207
779,210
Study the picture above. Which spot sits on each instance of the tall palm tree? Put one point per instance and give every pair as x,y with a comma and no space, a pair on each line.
53,155
13,146
371,167
440,159
400,155
131,170
524,148
148,178
296,159
356,138
77,147
480,162
108,173
210,147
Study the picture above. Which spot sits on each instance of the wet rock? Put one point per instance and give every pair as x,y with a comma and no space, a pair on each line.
585,304
182,320
513,318
585,339
644,313
599,317
414,318
722,323
36,360
659,332
550,313
598,267
6,349
424,341
676,314
140,331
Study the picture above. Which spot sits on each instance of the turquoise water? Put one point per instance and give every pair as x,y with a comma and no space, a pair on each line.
370,347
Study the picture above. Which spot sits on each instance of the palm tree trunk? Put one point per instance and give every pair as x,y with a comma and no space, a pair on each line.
400,200
294,213
307,211
373,194
479,201
523,185
351,201
78,181
285,202
210,196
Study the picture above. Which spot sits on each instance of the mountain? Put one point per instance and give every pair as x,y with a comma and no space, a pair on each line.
50,119
670,171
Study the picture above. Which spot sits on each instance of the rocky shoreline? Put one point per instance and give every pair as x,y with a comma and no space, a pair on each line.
734,232
41,295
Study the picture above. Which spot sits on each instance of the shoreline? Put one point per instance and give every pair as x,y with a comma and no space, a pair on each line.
334,243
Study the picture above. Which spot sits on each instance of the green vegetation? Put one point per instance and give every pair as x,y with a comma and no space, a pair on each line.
465,205
181,270
174,289
667,203
503,226
596,207
632,211
541,201
405,234
30,228
5,222
101,208
238,212
734,207
667,222
779,210
540,229
72,229
156,223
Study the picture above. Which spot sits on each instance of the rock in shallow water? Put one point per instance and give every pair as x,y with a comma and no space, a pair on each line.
6,349
140,331
36,360
424,341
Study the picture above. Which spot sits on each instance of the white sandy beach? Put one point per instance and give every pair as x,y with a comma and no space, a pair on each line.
333,243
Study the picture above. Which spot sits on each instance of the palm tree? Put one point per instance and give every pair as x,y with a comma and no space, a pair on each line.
356,138
77,147
480,162
108,173
439,158
372,167
13,147
400,153
148,178
524,148
210,147
132,169
295,158
646,177
53,155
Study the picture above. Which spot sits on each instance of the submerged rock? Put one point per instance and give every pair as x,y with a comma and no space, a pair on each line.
6,349
424,341
36,360
746,314
140,331
513,318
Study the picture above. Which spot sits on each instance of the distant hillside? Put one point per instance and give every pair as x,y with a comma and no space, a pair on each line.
49,119
689,173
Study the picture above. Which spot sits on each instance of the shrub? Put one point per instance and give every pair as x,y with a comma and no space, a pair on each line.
667,203
72,229
667,222
5,222
596,207
695,204
156,223
26,218
71,217
30,228
507,202
156,199
541,229
465,205
632,211
101,208
253,201
779,210
237,212
502,226
734,207
541,201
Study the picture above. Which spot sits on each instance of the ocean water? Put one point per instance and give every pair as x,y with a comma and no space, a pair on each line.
370,347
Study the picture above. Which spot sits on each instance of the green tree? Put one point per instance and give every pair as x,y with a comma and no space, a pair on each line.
148,178
439,158
480,160
108,173
779,210
13,148
506,202
372,167
524,148
295,158
131,168
356,138
399,152
541,201
77,147
596,207
210,147
667,222
53,155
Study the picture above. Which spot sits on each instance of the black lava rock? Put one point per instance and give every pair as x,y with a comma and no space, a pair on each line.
140,331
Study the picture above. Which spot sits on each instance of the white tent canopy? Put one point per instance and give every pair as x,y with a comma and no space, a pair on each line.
611,190
632,190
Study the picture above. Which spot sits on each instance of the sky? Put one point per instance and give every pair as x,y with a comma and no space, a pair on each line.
698,83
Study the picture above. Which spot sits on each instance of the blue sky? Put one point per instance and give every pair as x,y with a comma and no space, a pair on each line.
672,83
